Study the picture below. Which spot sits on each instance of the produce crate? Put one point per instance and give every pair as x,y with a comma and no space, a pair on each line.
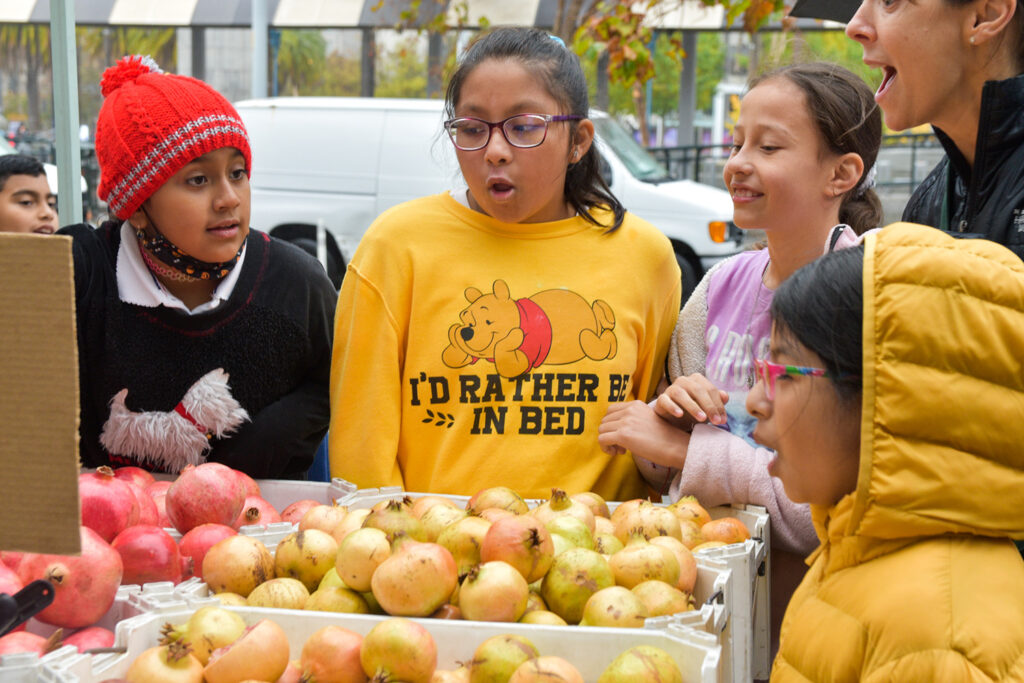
745,635
130,601
590,650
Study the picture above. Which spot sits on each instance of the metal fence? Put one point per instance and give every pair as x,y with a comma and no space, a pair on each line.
903,161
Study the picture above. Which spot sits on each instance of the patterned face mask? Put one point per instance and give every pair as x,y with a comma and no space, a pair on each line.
163,249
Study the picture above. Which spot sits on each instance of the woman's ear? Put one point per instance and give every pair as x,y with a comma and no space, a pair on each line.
582,141
989,19
846,173
138,219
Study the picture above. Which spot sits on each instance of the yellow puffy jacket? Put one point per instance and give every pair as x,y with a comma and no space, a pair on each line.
916,578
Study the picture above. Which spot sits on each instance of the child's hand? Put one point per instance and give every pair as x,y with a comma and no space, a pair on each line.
633,426
693,398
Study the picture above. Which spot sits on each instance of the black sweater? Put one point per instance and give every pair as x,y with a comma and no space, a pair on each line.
272,337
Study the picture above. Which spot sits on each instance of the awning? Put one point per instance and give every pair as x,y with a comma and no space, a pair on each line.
692,14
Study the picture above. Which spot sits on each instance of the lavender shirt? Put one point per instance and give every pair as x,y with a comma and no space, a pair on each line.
739,327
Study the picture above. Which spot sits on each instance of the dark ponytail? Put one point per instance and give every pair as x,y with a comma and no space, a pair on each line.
848,119
559,70
822,306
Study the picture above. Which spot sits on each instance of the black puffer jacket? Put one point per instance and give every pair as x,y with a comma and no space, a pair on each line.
988,199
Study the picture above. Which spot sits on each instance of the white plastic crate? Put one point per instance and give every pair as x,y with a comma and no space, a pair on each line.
590,650
745,633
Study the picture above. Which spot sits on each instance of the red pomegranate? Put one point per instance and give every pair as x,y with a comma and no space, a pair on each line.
160,501
148,554
194,544
135,475
10,584
248,483
108,504
158,488
294,512
148,512
22,641
84,585
210,492
256,510
90,637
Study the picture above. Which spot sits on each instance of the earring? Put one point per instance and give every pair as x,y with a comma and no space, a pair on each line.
972,40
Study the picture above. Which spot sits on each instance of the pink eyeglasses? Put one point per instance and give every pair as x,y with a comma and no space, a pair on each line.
769,371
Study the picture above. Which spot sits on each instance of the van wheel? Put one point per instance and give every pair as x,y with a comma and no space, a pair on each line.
689,276
335,270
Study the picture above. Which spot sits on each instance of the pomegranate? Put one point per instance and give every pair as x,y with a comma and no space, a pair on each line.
293,513
689,534
171,663
393,519
237,564
194,545
650,519
282,593
337,599
546,669
292,674
210,492
11,559
614,606
438,517
252,489
561,504
84,585
641,560
323,517
208,628
23,641
573,529
725,529
398,650
256,511
598,506
135,475
108,504
148,511
162,520
231,599
574,576
424,503
521,541
603,525
498,657
447,611
534,601
642,664
463,540
353,520
331,578
359,555
306,556
493,591
260,653
544,617
661,599
494,514
158,488
459,675
148,554
331,655
497,497
687,507
608,544
415,580
89,638
687,562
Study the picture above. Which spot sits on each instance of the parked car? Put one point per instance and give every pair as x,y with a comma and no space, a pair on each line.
342,161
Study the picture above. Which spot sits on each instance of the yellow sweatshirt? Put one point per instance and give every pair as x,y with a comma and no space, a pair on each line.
471,353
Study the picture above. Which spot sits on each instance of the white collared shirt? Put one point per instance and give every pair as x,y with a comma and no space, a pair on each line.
136,283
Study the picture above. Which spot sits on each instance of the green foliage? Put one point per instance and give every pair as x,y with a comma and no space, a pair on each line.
402,71
300,61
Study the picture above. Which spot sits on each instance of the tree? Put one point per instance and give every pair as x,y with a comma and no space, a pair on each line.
301,60
28,45
403,70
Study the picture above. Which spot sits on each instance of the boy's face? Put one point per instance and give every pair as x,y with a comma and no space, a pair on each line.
27,205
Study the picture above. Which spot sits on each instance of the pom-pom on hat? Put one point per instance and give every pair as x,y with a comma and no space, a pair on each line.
153,123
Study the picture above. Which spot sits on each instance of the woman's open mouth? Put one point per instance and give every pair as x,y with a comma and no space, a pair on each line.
888,76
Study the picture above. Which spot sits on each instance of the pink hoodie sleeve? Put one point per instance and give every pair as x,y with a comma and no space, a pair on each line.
722,469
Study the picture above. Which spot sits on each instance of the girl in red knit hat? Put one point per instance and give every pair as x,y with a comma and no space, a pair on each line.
199,339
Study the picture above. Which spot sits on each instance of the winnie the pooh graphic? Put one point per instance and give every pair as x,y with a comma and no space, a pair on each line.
552,327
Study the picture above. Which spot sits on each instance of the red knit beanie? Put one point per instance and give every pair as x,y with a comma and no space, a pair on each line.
151,124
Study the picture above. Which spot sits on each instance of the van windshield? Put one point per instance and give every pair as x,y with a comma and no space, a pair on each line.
637,160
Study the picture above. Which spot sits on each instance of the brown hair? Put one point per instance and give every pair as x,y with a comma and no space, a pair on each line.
844,108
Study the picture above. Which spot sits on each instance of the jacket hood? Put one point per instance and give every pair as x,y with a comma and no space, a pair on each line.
942,426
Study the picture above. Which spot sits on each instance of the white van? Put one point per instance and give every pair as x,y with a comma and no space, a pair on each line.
342,161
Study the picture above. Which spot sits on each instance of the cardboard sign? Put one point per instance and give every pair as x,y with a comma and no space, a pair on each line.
39,510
